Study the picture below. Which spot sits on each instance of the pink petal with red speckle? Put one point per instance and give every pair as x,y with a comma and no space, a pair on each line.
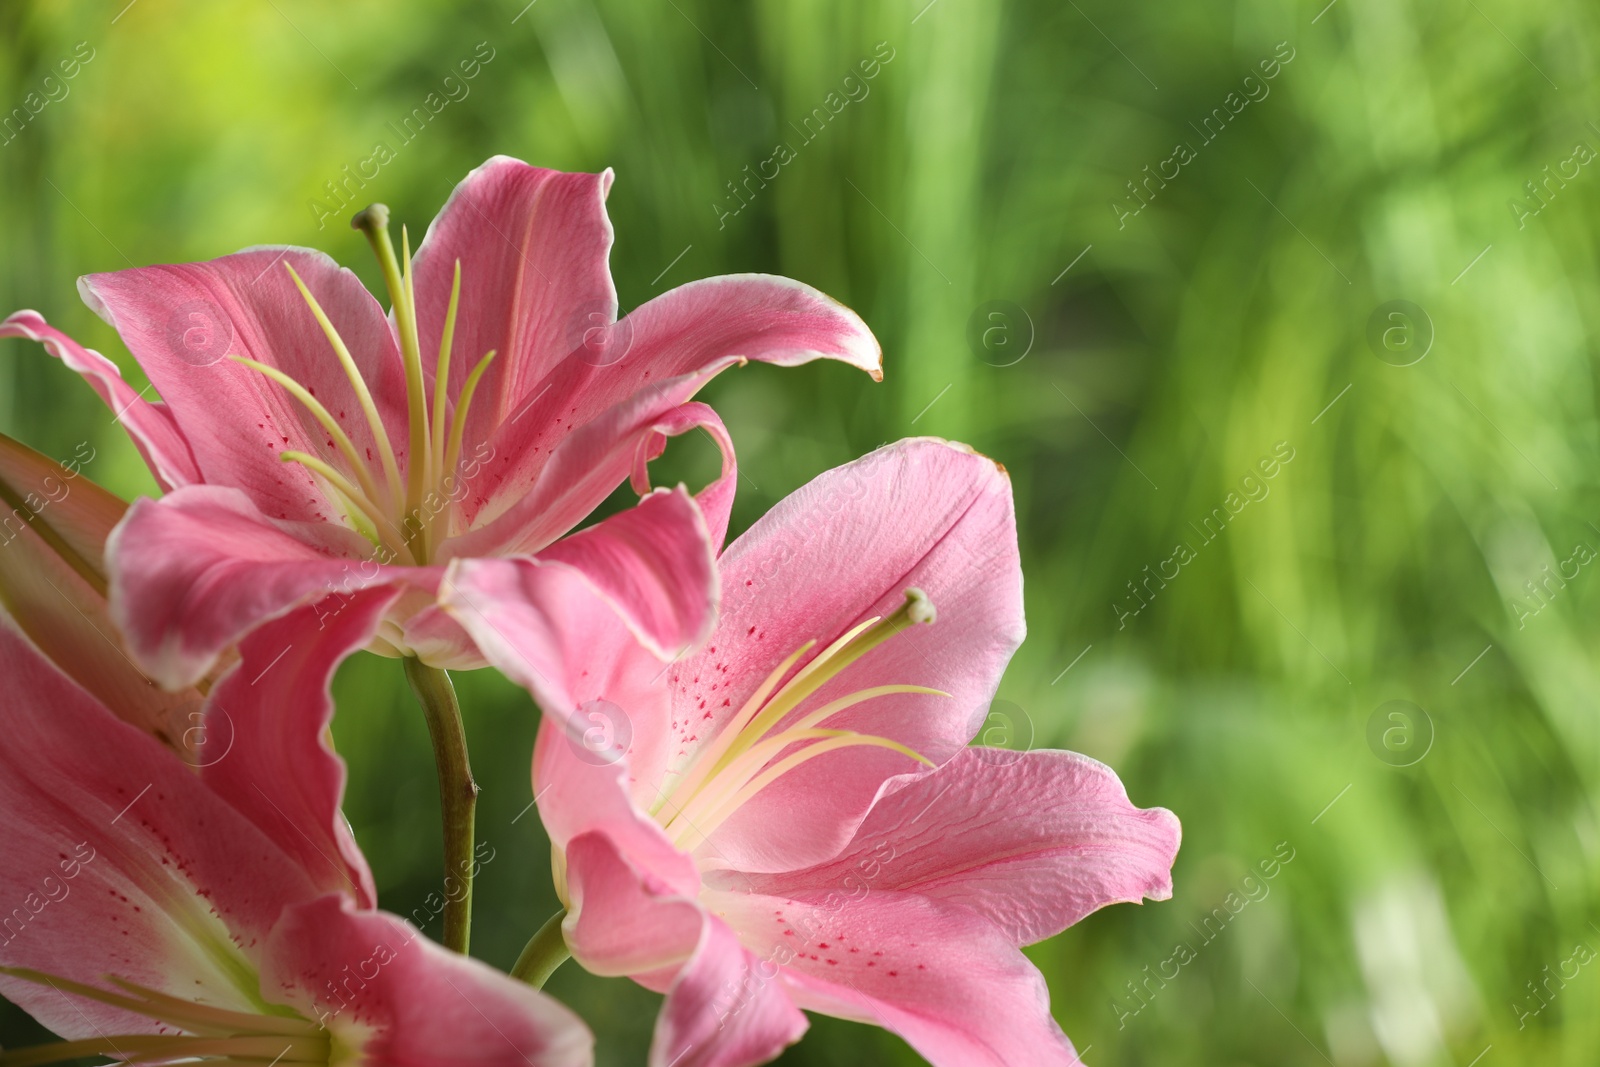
841,549
942,977
120,859
235,420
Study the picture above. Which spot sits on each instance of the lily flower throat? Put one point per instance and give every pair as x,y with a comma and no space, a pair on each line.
398,515
743,758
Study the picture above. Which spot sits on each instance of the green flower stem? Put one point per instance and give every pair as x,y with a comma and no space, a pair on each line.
458,793
546,951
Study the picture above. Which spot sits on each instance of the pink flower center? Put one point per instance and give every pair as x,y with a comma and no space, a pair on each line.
401,517
751,752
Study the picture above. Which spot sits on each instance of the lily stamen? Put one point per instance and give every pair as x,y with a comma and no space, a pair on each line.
458,424
214,1033
436,435
693,834
374,222
730,770
380,433
441,386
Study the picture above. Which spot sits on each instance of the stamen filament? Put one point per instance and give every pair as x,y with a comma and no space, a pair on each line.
837,657
745,766
441,374
742,760
135,1003
422,475
711,755
342,485
721,787
458,424
212,1031
703,829
374,222
758,723
380,433
439,437
341,440
834,707
158,1048
196,1017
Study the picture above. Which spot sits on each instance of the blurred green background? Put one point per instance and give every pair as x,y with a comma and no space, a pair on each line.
1137,350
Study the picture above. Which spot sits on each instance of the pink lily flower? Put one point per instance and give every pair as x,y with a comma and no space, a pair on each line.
538,403
178,880
772,835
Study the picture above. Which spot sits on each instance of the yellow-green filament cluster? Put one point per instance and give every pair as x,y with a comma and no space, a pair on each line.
394,513
739,761
216,1035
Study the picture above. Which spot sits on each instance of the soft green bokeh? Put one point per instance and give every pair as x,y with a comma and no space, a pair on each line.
1388,556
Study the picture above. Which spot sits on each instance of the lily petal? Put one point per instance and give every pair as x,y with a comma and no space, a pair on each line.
266,747
392,998
716,499
547,628
838,551
533,621
532,244
119,858
1032,841
150,424
580,795
592,617
580,472
724,1007
656,564
192,573
53,528
180,322
659,356
948,981
622,921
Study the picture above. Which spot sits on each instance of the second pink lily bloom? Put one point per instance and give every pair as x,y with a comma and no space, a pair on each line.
762,829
